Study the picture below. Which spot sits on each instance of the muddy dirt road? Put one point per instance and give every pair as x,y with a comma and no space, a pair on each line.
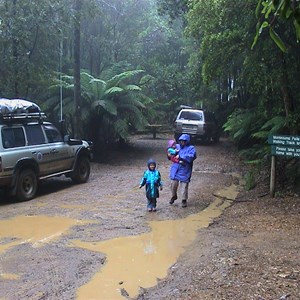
76,242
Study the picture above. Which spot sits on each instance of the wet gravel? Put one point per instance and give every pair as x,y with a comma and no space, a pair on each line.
250,252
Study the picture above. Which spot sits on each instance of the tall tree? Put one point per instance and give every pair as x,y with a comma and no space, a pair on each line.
28,30
77,66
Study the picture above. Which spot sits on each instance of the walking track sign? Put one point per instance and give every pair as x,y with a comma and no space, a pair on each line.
285,145
282,145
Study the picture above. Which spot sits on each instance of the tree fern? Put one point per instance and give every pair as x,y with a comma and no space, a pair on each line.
272,126
109,107
113,90
132,87
117,102
117,79
121,128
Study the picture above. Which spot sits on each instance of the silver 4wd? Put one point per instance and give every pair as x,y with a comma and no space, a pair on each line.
32,149
198,123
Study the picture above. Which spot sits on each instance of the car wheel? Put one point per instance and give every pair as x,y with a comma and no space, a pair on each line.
82,170
26,185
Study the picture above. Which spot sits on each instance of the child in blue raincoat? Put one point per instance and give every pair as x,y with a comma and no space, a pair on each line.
152,180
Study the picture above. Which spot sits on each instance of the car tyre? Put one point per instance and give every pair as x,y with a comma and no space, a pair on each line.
82,170
26,185
216,139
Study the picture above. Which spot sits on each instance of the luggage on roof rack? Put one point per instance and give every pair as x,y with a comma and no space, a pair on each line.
19,110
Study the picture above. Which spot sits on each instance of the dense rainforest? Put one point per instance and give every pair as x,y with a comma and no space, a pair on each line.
110,67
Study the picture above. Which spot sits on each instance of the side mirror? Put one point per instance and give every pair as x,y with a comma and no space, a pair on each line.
66,138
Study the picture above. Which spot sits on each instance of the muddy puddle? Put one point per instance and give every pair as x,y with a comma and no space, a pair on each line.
132,262
34,230
138,261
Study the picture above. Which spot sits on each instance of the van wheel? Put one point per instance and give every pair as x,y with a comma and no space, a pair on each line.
216,139
82,170
26,185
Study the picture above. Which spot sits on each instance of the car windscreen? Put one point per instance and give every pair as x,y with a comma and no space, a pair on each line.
191,115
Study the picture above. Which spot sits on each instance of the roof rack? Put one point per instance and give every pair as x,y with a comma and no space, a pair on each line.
19,110
22,117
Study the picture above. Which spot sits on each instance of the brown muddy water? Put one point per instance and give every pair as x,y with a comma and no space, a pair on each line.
132,261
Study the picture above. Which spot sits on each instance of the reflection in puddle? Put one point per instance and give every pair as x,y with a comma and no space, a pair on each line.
36,230
137,261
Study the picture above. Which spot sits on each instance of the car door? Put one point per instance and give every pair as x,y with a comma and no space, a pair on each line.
37,147
61,153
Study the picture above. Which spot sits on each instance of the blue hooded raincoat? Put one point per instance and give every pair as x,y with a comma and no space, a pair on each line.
187,154
152,180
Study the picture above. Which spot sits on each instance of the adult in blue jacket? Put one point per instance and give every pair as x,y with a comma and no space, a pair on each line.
181,172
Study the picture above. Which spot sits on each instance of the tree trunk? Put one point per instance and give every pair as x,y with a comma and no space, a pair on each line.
287,98
15,53
77,88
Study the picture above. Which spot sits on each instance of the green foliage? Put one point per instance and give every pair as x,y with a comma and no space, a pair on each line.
116,102
222,44
270,13
272,126
174,9
255,154
241,124
28,29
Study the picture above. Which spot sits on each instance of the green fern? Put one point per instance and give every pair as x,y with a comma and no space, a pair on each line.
117,101
274,125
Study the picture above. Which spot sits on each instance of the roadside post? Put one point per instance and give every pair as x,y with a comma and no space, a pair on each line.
282,145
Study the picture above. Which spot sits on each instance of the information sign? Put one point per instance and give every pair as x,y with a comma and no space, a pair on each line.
284,140
284,145
285,151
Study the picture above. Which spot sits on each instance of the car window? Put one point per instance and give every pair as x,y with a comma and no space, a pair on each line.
53,135
35,135
191,115
13,137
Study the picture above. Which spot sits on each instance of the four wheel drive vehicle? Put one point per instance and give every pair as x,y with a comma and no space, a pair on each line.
32,149
198,123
